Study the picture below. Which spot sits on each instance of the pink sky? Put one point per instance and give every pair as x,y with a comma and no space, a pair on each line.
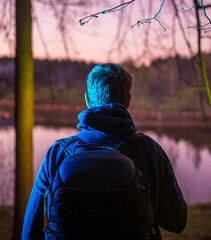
94,41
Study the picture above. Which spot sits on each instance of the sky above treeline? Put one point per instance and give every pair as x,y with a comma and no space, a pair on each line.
57,33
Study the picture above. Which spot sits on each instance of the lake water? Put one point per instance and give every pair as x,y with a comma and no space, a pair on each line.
191,163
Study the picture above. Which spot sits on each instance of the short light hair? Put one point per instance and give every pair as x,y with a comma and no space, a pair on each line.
108,83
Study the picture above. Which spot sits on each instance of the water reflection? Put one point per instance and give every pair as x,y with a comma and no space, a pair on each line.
197,158
43,138
6,165
178,149
192,164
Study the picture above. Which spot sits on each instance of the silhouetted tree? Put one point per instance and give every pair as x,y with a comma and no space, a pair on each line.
23,112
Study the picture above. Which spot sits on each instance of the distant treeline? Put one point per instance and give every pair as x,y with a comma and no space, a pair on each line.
46,72
166,83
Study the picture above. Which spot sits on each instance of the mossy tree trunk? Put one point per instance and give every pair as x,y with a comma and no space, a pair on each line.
23,112
201,60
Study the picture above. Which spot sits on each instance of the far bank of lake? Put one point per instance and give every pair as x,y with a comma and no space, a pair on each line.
67,115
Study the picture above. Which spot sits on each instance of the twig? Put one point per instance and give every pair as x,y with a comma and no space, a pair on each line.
148,20
120,7
202,27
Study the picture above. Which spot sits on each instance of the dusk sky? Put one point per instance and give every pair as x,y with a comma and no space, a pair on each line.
109,37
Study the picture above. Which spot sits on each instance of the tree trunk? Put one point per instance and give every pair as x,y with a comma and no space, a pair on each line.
201,60
23,112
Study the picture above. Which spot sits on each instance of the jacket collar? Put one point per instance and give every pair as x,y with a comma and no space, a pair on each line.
111,119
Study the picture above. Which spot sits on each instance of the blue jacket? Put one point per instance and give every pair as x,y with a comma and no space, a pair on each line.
108,125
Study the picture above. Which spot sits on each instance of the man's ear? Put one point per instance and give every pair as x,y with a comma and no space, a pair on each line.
127,101
87,100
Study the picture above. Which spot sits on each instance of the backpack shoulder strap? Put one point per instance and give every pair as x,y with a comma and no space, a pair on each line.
129,143
69,144
133,139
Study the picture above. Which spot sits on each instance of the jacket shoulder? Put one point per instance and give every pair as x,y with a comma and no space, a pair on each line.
141,138
68,144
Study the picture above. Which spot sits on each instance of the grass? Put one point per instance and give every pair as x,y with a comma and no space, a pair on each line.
198,226
6,222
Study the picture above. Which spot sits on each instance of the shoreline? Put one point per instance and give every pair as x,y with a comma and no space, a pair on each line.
67,115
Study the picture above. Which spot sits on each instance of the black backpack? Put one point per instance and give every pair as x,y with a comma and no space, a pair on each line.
97,193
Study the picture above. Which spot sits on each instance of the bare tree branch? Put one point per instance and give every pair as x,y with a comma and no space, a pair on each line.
3,14
6,24
202,27
148,20
174,33
181,27
146,39
62,2
206,6
37,24
120,7
206,37
61,25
